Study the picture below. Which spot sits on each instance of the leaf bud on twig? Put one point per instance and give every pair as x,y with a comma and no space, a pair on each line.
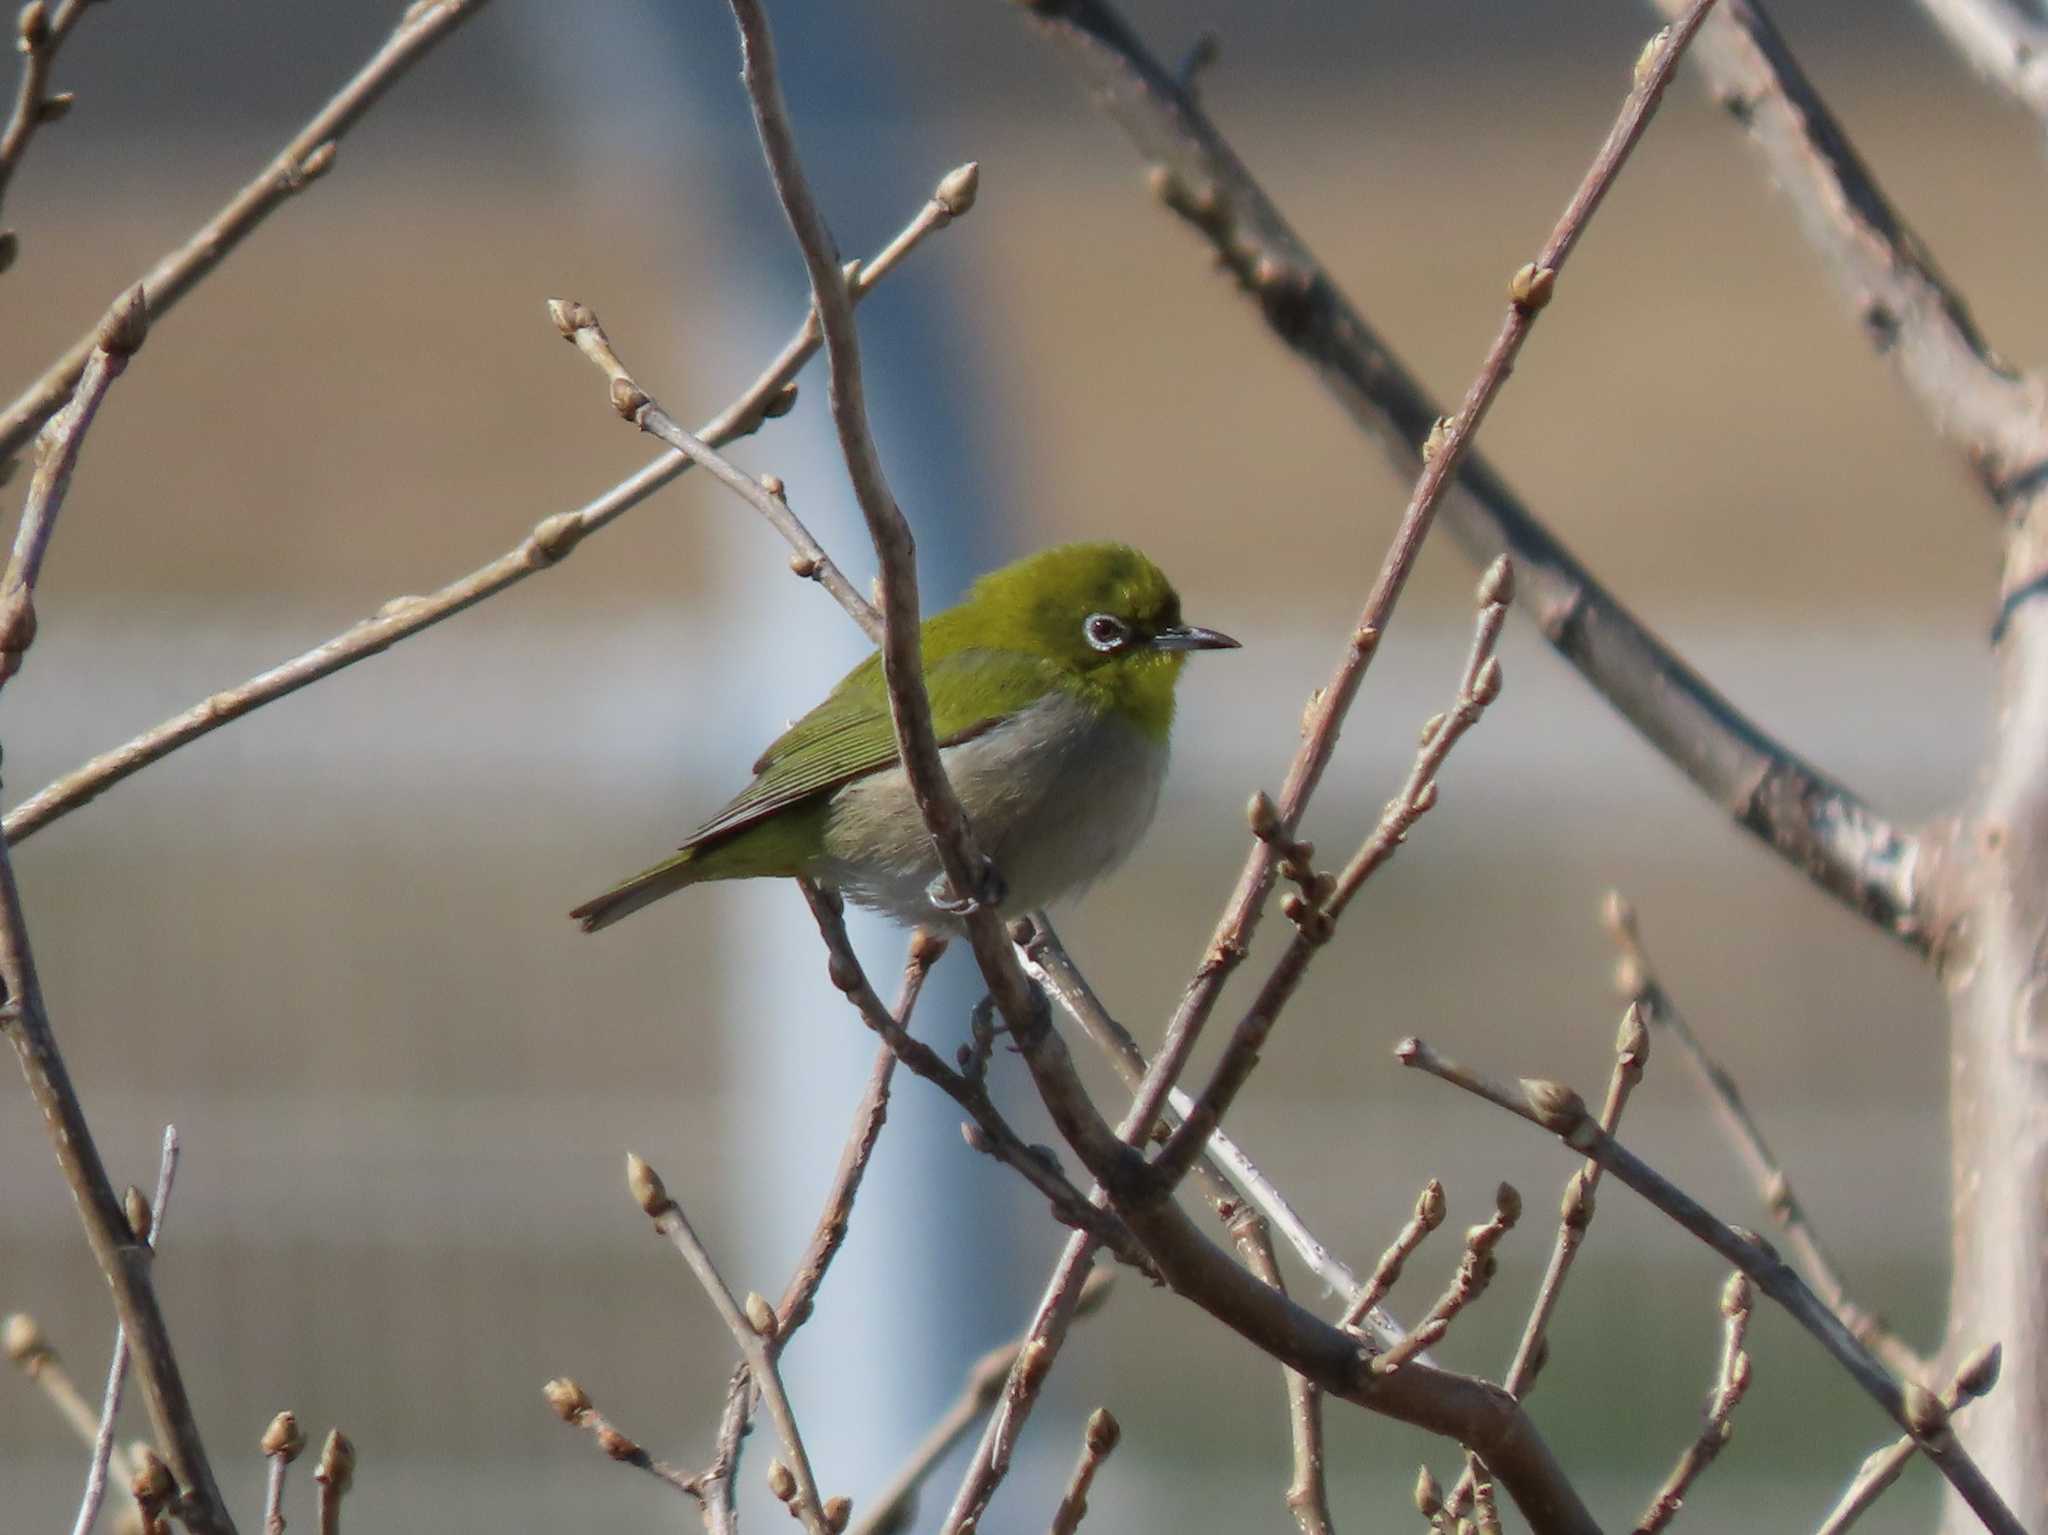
958,188
135,1206
568,1398
1980,1371
1925,1413
24,1341
1103,1432
1556,1107
838,1512
1497,586
126,323
337,1468
781,1481
649,1192
1532,286
760,1315
283,1438
1429,1497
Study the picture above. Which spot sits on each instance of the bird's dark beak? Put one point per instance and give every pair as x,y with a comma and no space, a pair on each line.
1188,637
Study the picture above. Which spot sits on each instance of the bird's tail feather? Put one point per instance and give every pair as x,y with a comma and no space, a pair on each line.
641,890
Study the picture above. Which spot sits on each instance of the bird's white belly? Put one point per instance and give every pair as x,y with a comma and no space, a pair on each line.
1058,797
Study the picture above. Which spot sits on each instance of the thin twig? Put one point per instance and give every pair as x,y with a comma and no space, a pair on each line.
830,1232
120,334
336,1473
308,156
969,872
122,1257
39,32
1575,1215
150,1231
803,1499
1427,1216
714,1485
283,1442
896,1504
718,1483
2006,41
1992,414
990,1133
1731,1382
1098,1440
29,1350
1307,1495
1813,823
579,325
1315,908
1559,1110
1241,1180
573,1406
550,542
1977,1376
1476,1269
1442,451
1637,978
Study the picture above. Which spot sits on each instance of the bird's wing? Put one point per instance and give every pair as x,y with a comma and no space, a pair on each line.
851,734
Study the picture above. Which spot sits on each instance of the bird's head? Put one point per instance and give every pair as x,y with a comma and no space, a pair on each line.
1103,619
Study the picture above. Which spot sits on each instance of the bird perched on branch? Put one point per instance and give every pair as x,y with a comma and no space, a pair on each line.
1052,690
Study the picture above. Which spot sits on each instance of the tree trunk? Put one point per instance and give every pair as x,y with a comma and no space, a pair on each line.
1992,909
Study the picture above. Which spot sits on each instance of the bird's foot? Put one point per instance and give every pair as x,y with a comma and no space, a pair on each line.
992,891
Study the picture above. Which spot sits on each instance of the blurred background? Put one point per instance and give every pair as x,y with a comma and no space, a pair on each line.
328,942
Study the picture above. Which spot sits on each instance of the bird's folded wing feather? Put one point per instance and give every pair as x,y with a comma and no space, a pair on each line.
851,733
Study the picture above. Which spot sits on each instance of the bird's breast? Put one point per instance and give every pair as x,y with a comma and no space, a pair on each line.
1059,794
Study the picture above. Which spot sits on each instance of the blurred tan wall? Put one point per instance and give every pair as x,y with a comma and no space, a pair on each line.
328,941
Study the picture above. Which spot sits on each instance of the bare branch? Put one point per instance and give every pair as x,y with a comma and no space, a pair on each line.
969,872
830,1232
550,542
119,336
1319,903
1575,1215
1236,1176
308,156
335,1474
573,1406
29,1350
2006,41
123,1257
39,32
283,1443
1529,292
1913,316
1813,823
1429,1214
1977,1376
578,325
1731,1381
1475,1271
1638,979
1559,1110
896,1504
1097,1441
147,1221
989,1133
1308,1493
802,1499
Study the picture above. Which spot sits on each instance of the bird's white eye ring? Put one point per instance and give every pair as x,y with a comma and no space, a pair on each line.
1105,631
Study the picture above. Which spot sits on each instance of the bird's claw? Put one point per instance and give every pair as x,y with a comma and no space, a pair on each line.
991,893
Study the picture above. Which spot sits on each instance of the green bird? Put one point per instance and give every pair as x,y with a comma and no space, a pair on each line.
1052,691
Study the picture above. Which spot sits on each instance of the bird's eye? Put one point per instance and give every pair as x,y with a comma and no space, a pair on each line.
1105,631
